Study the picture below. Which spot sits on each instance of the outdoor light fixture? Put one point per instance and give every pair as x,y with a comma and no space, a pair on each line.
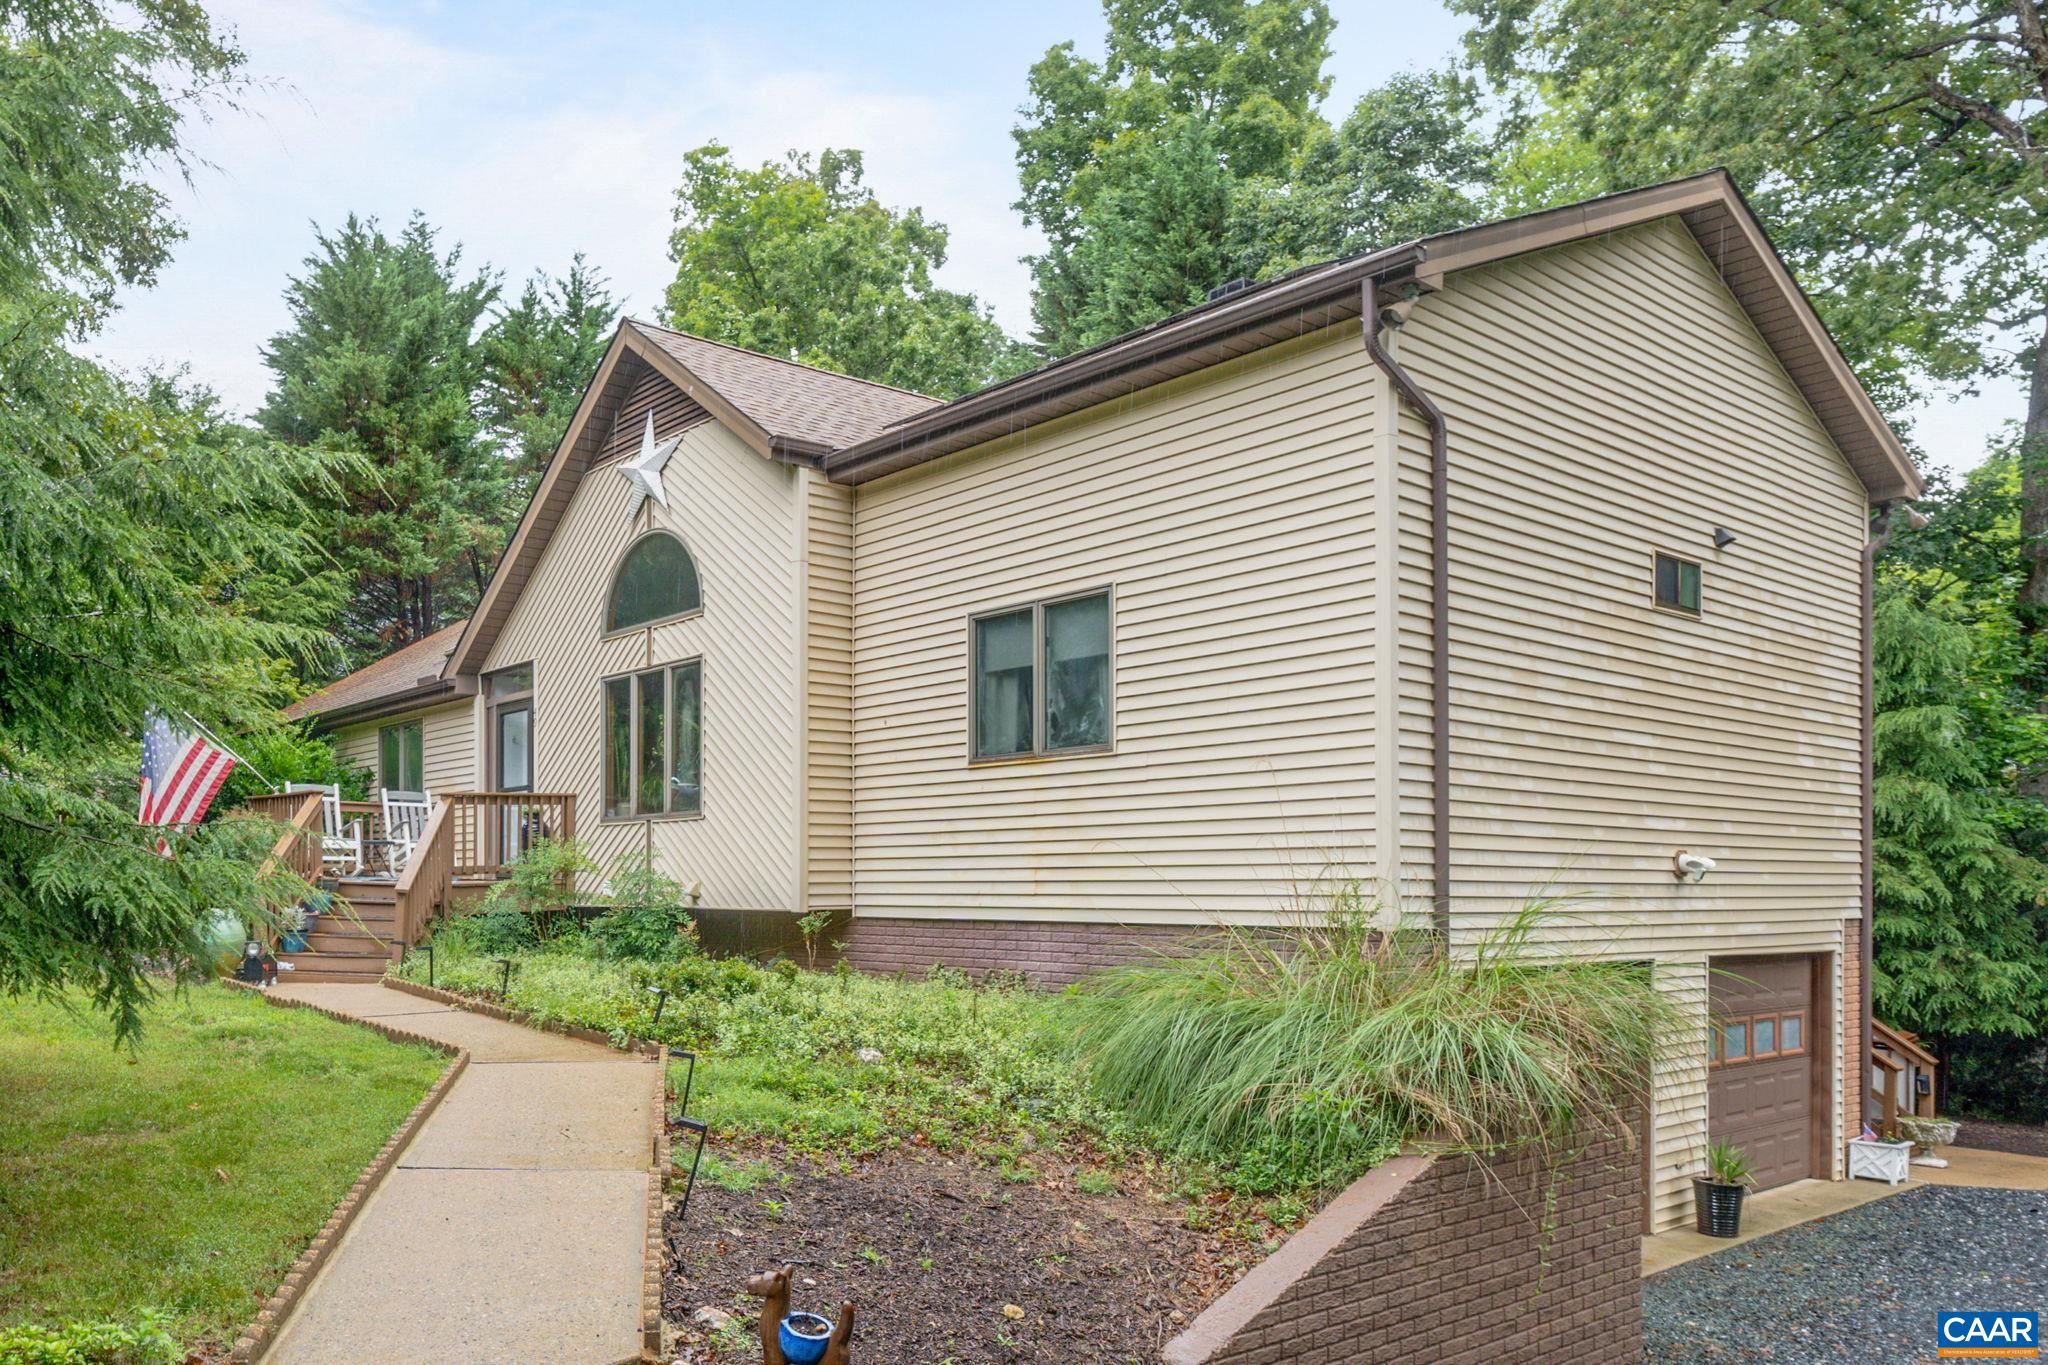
505,980
1723,537
1691,867
702,1130
689,1077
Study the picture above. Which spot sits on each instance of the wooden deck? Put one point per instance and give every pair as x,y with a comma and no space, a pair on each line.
471,838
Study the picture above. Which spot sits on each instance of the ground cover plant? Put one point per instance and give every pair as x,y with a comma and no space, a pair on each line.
962,1149
160,1193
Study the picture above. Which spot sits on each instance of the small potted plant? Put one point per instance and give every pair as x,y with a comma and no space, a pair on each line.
804,1337
1717,1195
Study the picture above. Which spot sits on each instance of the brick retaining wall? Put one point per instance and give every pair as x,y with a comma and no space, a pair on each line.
1438,1259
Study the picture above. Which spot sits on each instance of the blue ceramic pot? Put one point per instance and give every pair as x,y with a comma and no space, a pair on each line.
804,1349
293,941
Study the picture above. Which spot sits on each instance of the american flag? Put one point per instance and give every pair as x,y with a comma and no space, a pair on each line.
180,774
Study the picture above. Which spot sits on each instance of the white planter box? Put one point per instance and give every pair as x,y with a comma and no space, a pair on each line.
1890,1162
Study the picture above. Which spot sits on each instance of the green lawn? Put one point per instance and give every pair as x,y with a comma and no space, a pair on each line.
187,1176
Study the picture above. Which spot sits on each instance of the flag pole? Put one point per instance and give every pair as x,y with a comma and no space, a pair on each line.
222,745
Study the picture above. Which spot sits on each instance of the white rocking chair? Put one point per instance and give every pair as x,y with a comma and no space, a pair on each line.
405,824
341,846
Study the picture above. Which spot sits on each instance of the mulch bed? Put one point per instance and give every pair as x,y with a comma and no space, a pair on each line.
2024,1139
931,1249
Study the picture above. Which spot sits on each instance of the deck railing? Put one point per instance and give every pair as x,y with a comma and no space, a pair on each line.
298,844
1902,1075
491,829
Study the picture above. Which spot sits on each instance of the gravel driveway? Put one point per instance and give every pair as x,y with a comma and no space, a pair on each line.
1862,1286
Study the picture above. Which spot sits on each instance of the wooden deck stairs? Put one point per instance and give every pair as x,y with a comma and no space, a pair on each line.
355,941
469,841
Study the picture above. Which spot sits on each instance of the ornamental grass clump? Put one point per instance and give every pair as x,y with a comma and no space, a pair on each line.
1310,1052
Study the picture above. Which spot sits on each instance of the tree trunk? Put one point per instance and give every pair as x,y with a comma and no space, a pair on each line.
2033,602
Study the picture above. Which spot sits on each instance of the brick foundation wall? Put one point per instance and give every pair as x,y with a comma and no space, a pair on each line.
1439,1260
1855,1074
1051,954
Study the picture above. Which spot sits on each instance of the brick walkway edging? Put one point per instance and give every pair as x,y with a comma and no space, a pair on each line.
653,1251
257,1338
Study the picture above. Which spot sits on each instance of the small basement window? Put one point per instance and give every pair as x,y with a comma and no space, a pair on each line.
1678,584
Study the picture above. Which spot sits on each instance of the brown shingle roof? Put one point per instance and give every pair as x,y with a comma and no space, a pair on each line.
790,401
394,675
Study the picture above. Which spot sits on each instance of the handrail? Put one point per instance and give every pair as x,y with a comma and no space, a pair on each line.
294,848
1884,1035
423,886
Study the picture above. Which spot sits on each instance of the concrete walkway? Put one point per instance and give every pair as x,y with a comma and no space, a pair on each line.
511,1230
1805,1200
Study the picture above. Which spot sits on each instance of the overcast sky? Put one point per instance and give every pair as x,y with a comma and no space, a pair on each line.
529,131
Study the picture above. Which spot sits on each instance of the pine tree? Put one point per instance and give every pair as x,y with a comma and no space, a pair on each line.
382,361
1961,933
538,356
152,556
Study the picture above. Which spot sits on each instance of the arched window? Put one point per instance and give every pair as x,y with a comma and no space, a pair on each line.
657,579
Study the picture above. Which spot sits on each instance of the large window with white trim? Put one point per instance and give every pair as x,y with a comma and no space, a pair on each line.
654,742
1041,679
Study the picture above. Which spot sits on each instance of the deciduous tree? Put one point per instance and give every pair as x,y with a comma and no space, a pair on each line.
798,259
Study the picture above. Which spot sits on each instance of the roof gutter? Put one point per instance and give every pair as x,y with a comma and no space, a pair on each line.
433,691
1440,603
1163,340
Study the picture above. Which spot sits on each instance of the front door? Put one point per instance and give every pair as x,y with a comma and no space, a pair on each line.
509,693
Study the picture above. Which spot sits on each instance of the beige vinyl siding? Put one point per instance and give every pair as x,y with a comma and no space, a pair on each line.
448,745
1607,401
1230,514
828,693
740,517
1678,1091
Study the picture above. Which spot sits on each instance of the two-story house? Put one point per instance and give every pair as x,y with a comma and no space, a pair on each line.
1528,557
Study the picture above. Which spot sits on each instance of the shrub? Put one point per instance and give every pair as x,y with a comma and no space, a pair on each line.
1310,1053
541,882
145,1342
289,754
650,915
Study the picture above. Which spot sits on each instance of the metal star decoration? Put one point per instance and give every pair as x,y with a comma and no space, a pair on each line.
643,471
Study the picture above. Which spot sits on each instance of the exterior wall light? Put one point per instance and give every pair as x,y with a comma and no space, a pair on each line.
1691,867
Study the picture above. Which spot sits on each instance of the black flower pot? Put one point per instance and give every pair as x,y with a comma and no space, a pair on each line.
1717,1208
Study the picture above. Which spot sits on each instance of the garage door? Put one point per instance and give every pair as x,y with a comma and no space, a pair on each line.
1760,1064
